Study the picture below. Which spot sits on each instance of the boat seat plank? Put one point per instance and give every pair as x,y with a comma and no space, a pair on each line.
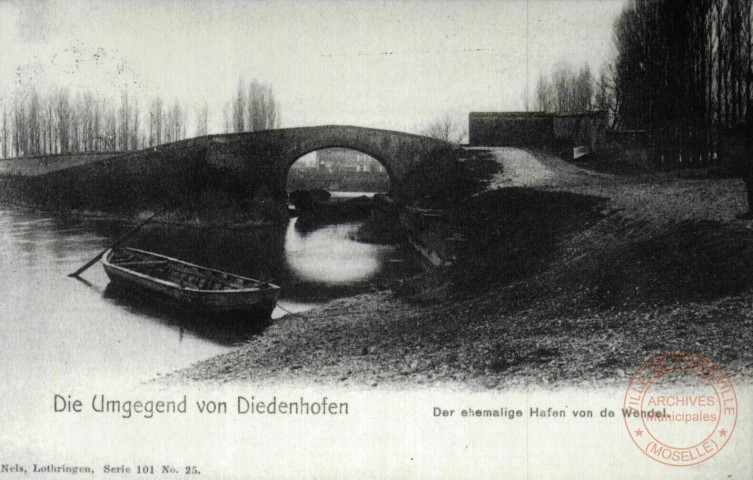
141,262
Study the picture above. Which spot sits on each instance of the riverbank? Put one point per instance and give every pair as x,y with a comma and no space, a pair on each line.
570,277
166,219
198,189
210,211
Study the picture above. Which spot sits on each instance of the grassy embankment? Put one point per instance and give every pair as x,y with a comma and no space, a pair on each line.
212,209
131,186
579,280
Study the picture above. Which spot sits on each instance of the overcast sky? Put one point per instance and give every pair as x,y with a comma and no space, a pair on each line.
382,64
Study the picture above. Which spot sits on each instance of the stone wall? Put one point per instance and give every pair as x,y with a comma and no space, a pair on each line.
536,130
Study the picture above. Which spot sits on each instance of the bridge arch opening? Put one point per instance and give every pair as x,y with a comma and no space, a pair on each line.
338,169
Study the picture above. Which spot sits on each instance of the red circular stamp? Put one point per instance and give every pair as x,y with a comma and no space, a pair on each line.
680,409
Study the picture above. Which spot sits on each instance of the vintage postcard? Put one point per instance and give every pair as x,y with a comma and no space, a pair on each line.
350,239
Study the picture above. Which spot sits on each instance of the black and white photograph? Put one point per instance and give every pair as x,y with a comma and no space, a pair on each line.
343,239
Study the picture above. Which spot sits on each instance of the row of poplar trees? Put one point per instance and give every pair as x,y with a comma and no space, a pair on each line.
59,122
683,72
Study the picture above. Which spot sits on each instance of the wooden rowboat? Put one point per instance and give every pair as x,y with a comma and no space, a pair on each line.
200,288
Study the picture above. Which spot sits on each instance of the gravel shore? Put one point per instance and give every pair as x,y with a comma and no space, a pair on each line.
573,277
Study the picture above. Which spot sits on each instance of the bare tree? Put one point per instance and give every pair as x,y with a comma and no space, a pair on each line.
271,110
21,126
175,128
156,114
562,81
86,111
96,128
605,97
46,125
226,118
135,127
74,128
255,106
544,95
446,128
109,137
4,133
263,109
566,91
583,90
52,136
33,123
202,120
239,108
63,116
124,121
19,122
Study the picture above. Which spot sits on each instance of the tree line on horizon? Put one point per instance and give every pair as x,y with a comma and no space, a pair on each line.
568,91
59,122
683,73
34,122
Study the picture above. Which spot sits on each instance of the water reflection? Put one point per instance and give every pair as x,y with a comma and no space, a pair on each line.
226,329
329,257
49,320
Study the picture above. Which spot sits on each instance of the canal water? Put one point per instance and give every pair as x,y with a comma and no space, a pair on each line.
53,327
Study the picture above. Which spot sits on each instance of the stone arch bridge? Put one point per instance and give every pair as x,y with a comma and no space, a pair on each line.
234,165
271,153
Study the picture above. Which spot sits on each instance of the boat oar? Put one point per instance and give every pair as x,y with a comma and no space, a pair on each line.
114,244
